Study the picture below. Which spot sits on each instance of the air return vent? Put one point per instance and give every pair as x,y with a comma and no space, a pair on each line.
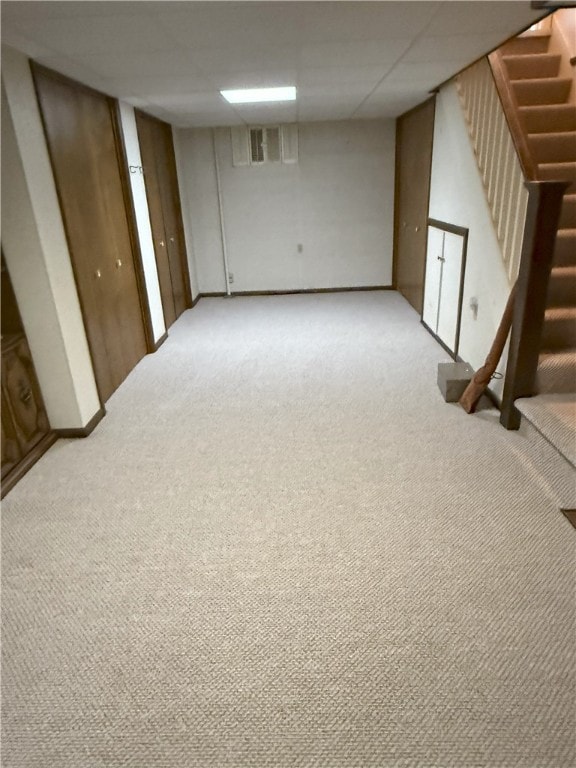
261,145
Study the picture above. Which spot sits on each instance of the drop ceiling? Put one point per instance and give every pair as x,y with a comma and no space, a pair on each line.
348,60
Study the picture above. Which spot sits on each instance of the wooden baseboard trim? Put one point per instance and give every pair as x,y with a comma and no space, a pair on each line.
220,294
28,462
83,431
196,300
161,340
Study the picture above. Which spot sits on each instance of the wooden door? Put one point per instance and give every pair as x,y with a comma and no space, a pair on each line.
160,177
80,130
414,137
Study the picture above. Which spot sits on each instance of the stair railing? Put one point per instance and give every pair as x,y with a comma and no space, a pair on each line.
525,212
498,162
542,217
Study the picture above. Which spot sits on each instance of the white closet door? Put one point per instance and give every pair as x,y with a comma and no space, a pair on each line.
450,295
434,253
442,287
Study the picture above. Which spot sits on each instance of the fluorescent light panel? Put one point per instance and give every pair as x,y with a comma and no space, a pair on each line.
259,95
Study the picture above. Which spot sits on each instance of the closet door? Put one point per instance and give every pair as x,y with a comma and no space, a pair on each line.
80,132
160,177
414,135
445,267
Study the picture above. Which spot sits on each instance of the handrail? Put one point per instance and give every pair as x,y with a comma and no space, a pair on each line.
510,107
542,217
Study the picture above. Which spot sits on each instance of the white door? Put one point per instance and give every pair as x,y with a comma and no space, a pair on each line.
443,285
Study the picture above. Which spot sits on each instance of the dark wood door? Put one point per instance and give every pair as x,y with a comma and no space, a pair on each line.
414,137
158,160
80,129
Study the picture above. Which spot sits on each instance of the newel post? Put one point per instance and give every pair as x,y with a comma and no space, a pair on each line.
540,229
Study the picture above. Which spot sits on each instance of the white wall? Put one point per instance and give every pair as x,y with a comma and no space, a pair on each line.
337,202
37,256
138,189
457,197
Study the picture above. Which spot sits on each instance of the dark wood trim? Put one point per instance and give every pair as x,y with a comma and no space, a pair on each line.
122,157
438,340
570,515
28,462
461,232
397,164
181,231
160,341
196,300
453,228
542,216
36,68
510,107
83,431
218,294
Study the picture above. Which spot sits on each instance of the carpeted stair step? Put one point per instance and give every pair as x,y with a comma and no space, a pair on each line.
558,172
543,118
556,372
545,90
562,287
553,147
568,213
554,417
559,329
519,46
565,248
532,65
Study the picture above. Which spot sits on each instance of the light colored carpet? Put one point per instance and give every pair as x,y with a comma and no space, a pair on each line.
282,549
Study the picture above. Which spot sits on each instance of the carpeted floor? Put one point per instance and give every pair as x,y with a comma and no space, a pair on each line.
282,549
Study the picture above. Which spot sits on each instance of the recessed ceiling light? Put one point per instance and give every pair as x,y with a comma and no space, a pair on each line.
258,95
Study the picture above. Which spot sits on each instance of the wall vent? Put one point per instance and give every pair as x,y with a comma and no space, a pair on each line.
262,145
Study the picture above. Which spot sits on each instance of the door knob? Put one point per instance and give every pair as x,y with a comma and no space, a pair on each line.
98,274
440,258
118,263
416,229
171,239
162,243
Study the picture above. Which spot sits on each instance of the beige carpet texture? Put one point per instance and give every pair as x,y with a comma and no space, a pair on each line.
282,549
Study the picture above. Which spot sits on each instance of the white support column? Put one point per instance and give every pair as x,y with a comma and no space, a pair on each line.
36,252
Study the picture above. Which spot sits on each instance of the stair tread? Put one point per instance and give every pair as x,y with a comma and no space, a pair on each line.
554,415
558,314
539,80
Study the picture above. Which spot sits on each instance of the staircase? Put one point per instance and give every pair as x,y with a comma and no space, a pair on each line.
545,104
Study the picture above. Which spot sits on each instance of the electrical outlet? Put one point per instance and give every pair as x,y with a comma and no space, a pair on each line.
230,277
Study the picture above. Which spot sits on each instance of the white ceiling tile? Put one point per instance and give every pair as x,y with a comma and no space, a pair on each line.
412,72
474,18
171,63
255,79
369,59
465,48
314,76
98,35
357,53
